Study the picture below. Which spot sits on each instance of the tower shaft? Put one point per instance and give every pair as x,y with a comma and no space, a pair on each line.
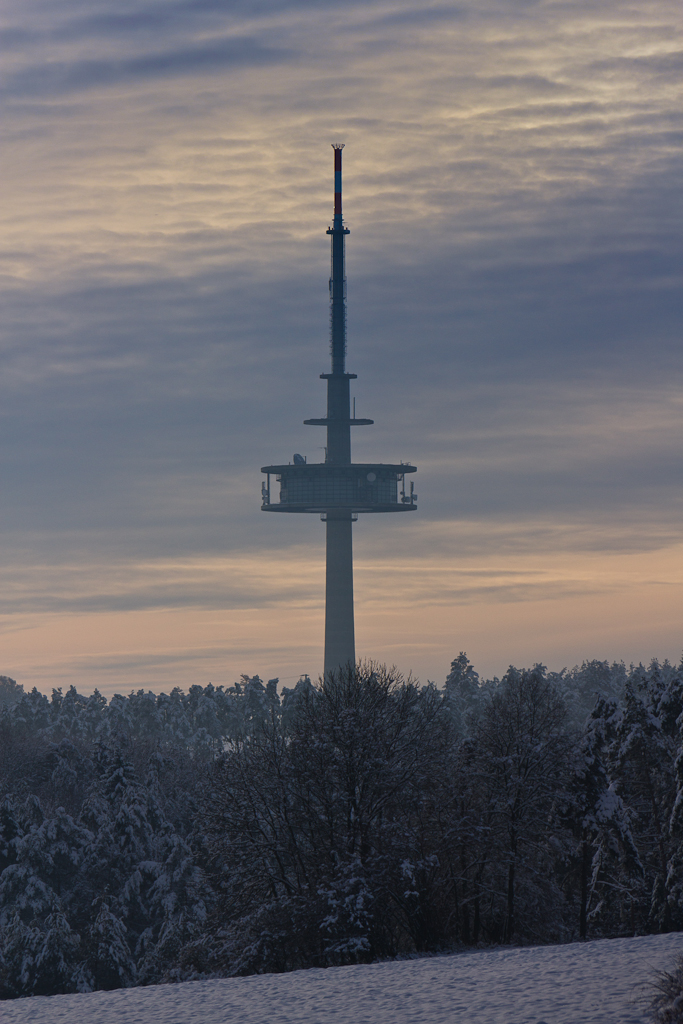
340,649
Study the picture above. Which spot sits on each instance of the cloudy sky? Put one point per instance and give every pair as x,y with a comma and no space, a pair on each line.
512,182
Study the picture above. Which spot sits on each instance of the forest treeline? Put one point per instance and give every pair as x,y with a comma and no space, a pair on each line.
158,837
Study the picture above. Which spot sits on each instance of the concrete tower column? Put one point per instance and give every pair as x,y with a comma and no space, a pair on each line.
340,646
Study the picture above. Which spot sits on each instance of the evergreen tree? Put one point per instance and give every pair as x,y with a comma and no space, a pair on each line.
522,761
463,693
55,956
10,691
642,755
18,947
604,856
108,962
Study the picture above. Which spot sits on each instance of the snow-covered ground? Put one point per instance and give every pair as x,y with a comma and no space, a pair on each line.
584,983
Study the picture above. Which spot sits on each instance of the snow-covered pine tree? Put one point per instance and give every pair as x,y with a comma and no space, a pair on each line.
178,902
10,691
604,858
18,946
522,762
39,901
122,858
55,956
463,694
108,963
641,759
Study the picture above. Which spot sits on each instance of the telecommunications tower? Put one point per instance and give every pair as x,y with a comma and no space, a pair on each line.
337,488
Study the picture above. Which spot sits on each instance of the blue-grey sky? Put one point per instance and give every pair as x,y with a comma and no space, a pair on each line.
512,183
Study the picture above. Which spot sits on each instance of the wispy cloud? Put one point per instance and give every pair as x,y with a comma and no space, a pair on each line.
57,77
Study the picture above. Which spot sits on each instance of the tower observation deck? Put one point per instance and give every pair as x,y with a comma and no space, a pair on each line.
338,489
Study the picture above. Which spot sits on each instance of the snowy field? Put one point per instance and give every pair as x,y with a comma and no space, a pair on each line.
584,983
